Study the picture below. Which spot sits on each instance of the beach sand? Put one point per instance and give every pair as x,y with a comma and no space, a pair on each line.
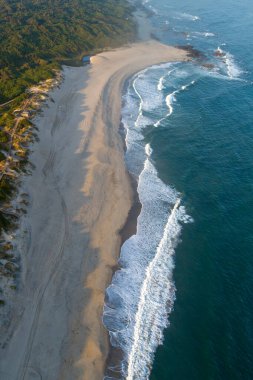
80,196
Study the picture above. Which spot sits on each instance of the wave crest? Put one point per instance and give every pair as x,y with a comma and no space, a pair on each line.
142,291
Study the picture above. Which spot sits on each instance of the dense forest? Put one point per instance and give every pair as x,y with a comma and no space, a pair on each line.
36,35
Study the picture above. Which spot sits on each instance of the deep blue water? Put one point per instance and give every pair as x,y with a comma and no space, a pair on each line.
181,306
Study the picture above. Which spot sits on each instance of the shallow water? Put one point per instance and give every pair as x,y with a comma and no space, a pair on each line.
180,307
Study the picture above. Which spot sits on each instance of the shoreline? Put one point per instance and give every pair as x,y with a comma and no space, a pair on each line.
80,197
130,221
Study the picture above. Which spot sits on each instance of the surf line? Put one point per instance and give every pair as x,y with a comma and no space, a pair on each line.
138,330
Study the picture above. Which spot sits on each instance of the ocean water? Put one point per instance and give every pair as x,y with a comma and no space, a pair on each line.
181,306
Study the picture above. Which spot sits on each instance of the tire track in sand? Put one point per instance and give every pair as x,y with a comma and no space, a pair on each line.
53,263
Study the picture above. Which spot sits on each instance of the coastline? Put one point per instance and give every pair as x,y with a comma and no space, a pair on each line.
80,197
128,204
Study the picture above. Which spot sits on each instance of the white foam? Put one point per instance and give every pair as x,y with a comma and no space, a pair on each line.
136,254
233,70
142,292
158,122
187,85
203,34
160,85
137,92
155,302
148,150
170,99
186,16
150,99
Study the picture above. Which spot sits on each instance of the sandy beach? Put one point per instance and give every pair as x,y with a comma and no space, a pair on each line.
80,196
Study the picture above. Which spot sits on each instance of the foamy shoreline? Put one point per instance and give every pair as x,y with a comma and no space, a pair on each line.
80,196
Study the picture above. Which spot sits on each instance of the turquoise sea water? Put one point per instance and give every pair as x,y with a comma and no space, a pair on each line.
181,306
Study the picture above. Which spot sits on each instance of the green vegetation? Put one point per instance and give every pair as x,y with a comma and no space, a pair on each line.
37,36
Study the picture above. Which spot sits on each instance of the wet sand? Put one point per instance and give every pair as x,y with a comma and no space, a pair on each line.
80,197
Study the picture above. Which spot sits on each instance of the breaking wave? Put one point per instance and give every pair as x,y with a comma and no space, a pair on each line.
203,34
142,291
170,99
232,68
185,16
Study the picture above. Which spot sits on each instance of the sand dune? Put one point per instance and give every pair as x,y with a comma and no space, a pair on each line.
80,196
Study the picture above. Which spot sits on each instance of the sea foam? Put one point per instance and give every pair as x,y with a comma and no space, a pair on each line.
142,291
155,303
232,68
185,16
170,99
